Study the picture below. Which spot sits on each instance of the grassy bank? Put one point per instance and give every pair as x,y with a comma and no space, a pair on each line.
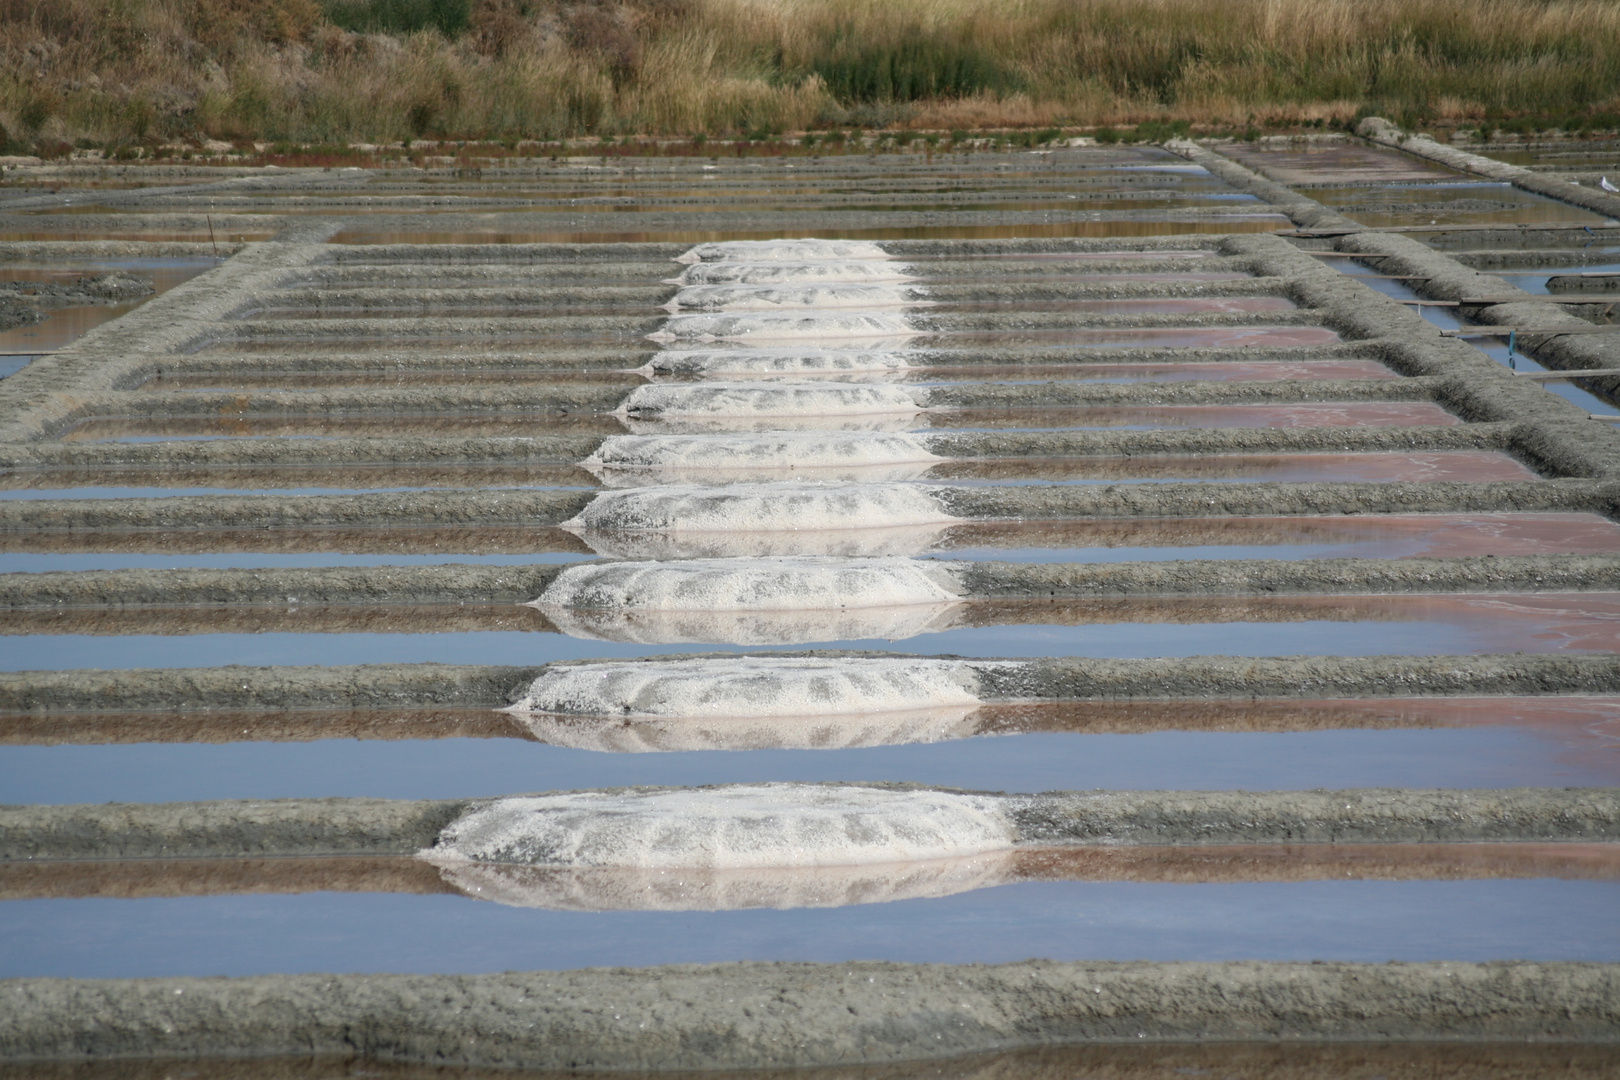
125,72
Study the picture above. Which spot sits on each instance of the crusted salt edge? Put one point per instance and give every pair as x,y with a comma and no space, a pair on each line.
787,326
769,450
770,507
634,889
865,271
743,826
786,584
808,249
754,687
741,399
813,296
774,362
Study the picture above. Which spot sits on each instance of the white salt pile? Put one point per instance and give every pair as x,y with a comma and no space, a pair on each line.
775,400
743,826
787,326
625,459
839,731
807,250
755,508
773,272
800,362
753,601
753,686
794,295
750,585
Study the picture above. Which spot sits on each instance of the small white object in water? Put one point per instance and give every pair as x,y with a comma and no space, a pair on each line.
1606,186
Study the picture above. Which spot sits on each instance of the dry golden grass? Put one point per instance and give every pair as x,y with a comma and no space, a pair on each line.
125,71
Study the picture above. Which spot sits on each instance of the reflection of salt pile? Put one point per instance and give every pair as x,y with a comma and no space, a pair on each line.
767,845
685,521
752,600
623,460
754,702
618,889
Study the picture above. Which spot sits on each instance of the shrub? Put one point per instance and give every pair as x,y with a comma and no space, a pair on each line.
448,17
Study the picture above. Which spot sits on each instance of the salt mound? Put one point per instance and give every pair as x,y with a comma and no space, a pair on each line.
762,508
810,296
752,687
840,731
725,399
792,450
806,250
774,362
792,627
750,826
753,601
869,271
787,326
749,585
743,423
626,889
855,543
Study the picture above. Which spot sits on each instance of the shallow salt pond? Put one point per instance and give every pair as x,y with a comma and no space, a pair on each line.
404,915
1417,625
1368,921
